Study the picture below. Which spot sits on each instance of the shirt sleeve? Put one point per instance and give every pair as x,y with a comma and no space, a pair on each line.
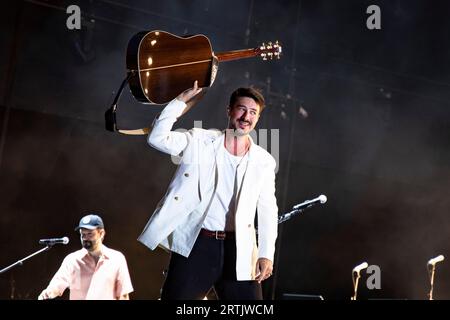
61,279
162,137
123,281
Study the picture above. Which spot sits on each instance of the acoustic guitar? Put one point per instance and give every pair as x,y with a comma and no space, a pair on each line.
161,65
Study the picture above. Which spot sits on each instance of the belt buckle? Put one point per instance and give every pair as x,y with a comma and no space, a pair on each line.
220,236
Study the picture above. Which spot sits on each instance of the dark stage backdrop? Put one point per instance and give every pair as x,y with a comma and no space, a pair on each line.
363,117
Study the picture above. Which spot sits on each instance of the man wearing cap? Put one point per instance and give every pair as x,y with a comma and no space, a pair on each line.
94,272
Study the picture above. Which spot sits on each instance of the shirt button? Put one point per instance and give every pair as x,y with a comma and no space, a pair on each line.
186,174
249,225
176,198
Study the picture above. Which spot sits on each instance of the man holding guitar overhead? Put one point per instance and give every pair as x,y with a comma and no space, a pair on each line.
207,216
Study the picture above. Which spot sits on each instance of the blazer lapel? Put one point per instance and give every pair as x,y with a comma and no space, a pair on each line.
250,171
207,160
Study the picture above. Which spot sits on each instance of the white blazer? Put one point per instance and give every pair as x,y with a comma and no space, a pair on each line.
175,223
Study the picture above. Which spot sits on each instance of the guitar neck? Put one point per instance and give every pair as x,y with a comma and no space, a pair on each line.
236,54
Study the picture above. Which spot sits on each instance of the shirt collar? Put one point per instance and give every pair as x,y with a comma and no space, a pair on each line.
105,252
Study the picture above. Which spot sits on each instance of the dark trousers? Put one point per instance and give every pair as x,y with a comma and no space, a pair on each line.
211,263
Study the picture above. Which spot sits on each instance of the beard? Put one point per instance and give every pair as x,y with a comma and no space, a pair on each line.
236,131
87,244
239,132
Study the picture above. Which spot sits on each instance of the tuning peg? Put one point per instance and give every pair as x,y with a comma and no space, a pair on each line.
264,56
279,48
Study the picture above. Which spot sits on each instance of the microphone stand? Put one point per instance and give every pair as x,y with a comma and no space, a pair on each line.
289,215
430,294
286,216
300,208
20,262
355,284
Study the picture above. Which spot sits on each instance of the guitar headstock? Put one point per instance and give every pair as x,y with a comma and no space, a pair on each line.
270,50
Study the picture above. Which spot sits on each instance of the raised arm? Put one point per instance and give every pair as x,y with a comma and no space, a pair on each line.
162,137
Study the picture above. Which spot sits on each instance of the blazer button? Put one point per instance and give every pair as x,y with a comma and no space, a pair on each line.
186,174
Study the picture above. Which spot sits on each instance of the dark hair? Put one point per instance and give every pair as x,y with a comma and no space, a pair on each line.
249,92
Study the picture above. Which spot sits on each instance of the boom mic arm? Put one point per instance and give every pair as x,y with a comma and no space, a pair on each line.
301,207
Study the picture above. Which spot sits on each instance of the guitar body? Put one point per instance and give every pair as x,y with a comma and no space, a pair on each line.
161,65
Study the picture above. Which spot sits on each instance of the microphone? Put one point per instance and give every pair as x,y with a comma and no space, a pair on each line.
360,267
435,260
51,242
308,203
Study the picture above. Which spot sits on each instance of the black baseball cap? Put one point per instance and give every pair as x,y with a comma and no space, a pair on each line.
91,222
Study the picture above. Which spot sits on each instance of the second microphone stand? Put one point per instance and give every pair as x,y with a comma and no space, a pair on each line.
431,274
355,283
21,261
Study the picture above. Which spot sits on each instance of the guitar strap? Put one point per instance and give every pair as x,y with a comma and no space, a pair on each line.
110,115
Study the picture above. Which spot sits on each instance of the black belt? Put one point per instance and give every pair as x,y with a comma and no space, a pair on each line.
218,235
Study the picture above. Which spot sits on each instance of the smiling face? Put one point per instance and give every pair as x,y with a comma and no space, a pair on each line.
243,115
